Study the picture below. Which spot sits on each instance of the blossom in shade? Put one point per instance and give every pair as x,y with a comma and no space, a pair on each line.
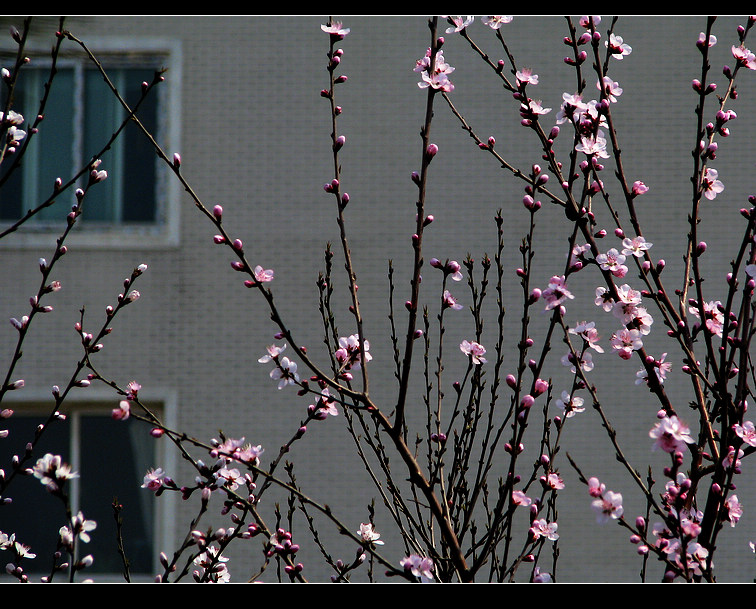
474,350
570,405
122,412
671,435
52,472
153,479
584,360
285,373
419,566
451,302
661,368
556,292
611,88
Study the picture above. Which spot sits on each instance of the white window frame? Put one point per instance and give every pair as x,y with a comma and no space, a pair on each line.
164,233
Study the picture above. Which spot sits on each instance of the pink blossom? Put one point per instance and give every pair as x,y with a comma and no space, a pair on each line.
496,21
612,261
744,57
587,331
710,185
451,302
593,145
671,435
526,76
608,506
639,188
556,292
369,534
585,361
625,341
635,247
570,405
335,29
734,509
273,352
713,315
419,566
595,487
588,21
473,350
349,353
553,481
285,373
263,275
702,41
661,368
541,528
746,432
153,479
122,412
611,88
436,77
617,47
459,23
520,498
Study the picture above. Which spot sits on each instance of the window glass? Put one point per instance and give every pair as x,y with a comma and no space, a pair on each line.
111,458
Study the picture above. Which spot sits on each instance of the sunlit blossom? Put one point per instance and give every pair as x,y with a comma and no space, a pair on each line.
671,435
474,350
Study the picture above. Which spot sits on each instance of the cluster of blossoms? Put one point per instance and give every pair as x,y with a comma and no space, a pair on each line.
630,312
53,473
285,371
419,566
436,76
670,434
11,123
236,450
606,504
713,315
20,551
211,566
349,354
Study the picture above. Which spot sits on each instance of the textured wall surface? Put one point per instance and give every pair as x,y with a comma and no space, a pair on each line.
254,137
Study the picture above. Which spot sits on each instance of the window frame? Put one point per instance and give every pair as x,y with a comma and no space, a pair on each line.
164,232
100,402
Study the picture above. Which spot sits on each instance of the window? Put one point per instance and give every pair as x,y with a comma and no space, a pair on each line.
111,458
80,117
